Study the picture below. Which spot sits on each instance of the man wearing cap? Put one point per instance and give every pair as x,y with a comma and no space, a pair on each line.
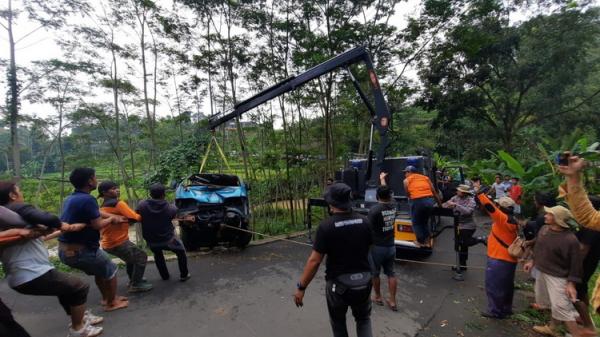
115,237
557,257
464,204
345,237
500,270
421,193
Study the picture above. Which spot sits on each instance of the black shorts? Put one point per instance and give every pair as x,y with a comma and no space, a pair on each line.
71,291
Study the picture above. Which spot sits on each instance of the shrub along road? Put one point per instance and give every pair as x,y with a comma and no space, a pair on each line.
249,293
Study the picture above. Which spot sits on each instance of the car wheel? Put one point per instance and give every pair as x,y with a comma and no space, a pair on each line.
189,238
243,238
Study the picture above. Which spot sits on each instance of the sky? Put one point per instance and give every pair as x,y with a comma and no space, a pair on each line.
42,45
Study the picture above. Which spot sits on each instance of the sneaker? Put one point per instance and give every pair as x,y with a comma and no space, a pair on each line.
185,278
482,239
462,268
87,331
92,319
140,287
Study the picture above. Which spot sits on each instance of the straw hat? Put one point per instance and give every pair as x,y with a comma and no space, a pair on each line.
561,215
464,189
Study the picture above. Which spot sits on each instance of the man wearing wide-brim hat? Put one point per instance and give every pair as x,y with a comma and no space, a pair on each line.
557,257
345,237
464,204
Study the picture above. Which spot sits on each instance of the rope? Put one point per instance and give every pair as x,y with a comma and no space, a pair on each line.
268,236
440,264
214,140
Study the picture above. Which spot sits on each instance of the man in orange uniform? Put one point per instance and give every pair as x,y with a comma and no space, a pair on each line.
115,238
421,193
500,270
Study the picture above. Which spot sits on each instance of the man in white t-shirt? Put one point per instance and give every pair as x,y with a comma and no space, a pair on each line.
498,188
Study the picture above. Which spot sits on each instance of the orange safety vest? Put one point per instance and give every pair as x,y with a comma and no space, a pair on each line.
503,233
419,186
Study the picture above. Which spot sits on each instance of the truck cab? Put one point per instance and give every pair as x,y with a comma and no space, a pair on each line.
356,176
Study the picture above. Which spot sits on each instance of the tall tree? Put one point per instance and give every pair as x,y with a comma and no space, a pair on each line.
63,91
509,77
49,14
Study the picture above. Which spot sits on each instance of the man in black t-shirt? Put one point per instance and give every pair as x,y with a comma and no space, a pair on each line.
383,252
345,237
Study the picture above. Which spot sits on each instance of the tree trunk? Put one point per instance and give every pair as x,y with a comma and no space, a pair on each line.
42,171
129,142
115,89
13,104
178,100
154,81
149,117
210,88
230,72
61,151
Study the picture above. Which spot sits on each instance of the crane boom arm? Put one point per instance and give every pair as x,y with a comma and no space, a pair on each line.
379,112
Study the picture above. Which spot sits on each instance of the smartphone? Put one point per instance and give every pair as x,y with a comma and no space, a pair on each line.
563,158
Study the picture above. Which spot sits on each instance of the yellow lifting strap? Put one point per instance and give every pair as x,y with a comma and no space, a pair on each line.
213,139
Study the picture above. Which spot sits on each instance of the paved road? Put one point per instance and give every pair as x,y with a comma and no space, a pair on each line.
242,294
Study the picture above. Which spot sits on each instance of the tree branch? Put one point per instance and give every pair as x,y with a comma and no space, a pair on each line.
26,35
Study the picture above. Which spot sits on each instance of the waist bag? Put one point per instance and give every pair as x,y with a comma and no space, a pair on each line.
516,249
351,281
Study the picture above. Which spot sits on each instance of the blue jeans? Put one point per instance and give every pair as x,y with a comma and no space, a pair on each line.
90,261
499,286
420,212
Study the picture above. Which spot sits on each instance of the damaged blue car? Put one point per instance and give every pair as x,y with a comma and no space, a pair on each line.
214,207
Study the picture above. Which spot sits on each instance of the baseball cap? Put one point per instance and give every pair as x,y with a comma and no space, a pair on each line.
410,169
339,196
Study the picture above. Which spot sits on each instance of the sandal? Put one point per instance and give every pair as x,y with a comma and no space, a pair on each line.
378,301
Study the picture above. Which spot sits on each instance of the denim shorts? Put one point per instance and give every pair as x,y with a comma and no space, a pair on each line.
90,261
382,257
